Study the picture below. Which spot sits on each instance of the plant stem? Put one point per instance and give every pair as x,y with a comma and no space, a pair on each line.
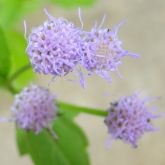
9,84
11,89
75,108
61,105
19,72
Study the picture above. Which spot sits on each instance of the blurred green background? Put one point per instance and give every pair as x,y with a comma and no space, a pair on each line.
143,34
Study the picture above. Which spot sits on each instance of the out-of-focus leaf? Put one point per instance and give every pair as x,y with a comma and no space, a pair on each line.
44,150
2,81
4,58
12,10
69,149
21,141
73,3
9,11
72,141
19,58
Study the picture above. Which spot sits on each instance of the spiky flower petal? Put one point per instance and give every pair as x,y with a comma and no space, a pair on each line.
129,118
103,52
34,108
54,47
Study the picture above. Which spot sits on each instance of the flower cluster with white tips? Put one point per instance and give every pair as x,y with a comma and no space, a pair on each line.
55,47
58,46
129,118
34,108
102,52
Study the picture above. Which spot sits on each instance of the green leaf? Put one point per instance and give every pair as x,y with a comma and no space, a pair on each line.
4,58
44,150
68,149
9,11
72,141
12,10
2,81
19,58
73,3
21,141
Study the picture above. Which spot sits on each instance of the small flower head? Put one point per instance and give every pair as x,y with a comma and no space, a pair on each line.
129,119
102,51
34,108
54,47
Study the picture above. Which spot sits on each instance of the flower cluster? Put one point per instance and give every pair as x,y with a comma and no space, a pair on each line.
55,47
58,46
129,119
34,108
103,51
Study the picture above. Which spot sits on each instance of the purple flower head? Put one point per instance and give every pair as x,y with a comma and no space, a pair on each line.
54,47
102,51
129,119
34,108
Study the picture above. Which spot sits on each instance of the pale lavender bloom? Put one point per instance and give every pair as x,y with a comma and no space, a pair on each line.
55,47
102,51
129,118
34,108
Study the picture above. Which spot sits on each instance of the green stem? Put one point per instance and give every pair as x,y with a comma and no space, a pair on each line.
9,83
61,105
11,89
75,108
19,72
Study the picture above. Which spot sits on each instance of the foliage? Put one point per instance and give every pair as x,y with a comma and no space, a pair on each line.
69,149
19,58
12,10
73,3
4,58
71,146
